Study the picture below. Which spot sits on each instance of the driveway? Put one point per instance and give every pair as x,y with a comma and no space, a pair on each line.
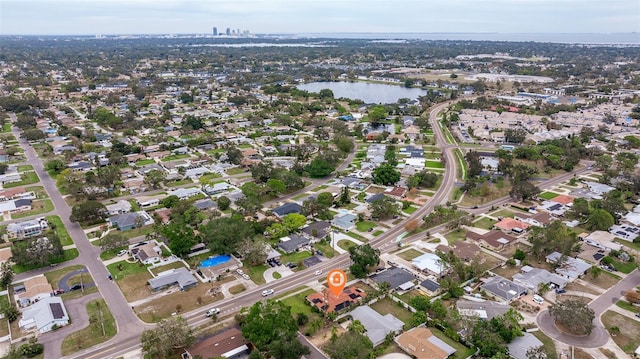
599,335
283,270
63,282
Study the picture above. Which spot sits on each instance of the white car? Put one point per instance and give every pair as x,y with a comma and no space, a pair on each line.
239,271
538,299
318,272
246,276
212,311
122,252
267,292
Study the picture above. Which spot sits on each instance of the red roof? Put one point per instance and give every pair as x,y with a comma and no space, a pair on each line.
563,199
348,297
508,224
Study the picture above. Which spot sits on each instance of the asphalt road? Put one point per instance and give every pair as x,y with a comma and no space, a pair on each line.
599,336
128,323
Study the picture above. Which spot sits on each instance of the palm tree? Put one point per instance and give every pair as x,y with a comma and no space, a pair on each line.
595,271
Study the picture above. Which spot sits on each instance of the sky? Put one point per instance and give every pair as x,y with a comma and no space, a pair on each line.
62,17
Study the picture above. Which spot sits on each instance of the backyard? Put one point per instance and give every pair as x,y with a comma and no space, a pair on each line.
131,278
409,254
388,306
38,206
484,223
61,231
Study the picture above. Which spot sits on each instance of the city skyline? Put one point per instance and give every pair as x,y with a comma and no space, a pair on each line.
75,17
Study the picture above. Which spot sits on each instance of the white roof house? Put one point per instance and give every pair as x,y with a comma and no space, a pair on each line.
119,207
44,314
184,193
571,268
431,263
377,326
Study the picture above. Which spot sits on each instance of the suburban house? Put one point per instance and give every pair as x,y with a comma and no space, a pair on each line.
148,201
44,315
317,231
17,205
376,326
148,253
569,268
420,343
227,343
345,221
511,225
482,310
328,302
520,345
540,219
533,278
495,240
16,193
179,276
184,193
600,239
503,288
430,263
26,229
396,278
292,243
119,207
131,220
32,290
462,249
286,208
216,188
430,287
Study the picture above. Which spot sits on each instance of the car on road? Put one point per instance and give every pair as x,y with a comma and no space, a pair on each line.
246,276
638,315
212,311
560,291
122,252
267,292
318,272
239,271
75,287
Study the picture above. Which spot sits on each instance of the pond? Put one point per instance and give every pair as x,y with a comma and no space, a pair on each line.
365,91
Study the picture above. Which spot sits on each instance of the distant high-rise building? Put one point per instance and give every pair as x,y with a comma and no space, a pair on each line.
228,32
238,32
215,31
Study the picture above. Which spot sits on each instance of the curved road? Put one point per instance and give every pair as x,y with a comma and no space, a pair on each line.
599,336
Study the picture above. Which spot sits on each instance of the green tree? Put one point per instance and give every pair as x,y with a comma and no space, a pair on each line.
574,315
223,203
55,166
88,212
234,155
599,220
364,257
554,237
181,238
386,175
319,168
325,200
6,274
524,190
11,312
154,178
294,221
166,337
377,113
276,186
474,163
383,208
350,345
112,241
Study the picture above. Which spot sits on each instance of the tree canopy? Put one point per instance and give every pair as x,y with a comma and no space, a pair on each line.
574,315
364,257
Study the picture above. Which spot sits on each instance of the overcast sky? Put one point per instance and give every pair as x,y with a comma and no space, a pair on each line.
304,16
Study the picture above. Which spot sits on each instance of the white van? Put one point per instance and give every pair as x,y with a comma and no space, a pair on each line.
538,299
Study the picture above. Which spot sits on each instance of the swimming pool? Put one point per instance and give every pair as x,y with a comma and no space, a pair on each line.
214,261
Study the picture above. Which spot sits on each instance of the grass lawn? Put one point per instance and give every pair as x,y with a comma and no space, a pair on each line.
6,127
485,223
255,272
388,306
455,236
365,226
410,209
346,244
299,304
320,188
131,278
462,352
38,206
605,280
178,301
377,233
211,177
238,288
136,232
54,276
434,164
55,221
632,245
628,306
547,343
296,257
624,267
167,267
326,249
357,236
27,178
106,255
548,195
505,213
175,157
24,168
69,254
277,275
141,163
629,337
409,254
95,333
235,171
179,183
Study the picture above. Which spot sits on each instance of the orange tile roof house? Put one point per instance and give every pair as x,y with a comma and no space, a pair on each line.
420,343
327,302
511,225
495,240
563,199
